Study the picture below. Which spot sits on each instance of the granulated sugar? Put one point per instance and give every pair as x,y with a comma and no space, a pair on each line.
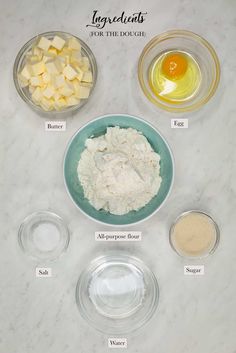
194,234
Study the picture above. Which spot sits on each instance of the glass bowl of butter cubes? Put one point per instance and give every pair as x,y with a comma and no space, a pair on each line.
55,72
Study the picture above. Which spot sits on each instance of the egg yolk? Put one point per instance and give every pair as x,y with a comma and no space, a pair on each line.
174,66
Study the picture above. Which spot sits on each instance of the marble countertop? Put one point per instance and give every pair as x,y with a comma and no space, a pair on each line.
195,314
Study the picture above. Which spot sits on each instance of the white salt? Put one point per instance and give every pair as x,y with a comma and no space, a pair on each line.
46,236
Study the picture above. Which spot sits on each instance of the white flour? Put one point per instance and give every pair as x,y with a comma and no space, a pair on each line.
119,171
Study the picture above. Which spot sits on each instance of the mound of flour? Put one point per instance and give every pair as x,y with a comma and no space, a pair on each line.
119,171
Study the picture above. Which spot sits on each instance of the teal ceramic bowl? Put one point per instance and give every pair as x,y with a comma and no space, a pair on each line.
96,128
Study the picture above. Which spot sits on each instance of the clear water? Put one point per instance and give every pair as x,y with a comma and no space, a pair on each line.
117,290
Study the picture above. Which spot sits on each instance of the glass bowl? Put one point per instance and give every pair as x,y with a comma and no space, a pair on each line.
20,61
96,128
202,53
205,247
43,235
117,294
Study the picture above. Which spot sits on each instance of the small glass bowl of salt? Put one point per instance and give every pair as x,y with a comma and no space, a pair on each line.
43,235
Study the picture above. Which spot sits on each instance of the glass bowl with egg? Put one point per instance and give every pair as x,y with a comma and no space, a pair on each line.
55,72
178,71
118,169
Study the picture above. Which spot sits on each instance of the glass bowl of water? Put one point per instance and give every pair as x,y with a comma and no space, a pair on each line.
117,294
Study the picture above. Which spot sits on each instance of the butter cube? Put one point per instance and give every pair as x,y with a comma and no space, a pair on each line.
85,63
58,42
86,84
83,92
48,92
62,60
26,72
53,66
38,68
31,89
33,59
88,77
36,81
59,81
46,77
52,51
23,81
80,73
76,57
66,51
67,90
37,95
66,54
44,43
57,95
69,72
60,104
68,59
29,53
38,52
47,57
76,86
47,104
72,100
74,44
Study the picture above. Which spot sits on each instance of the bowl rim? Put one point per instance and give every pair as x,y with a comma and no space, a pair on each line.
127,258
210,218
29,101
197,38
172,161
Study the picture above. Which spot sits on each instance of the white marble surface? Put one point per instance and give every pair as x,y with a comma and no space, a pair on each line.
195,315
